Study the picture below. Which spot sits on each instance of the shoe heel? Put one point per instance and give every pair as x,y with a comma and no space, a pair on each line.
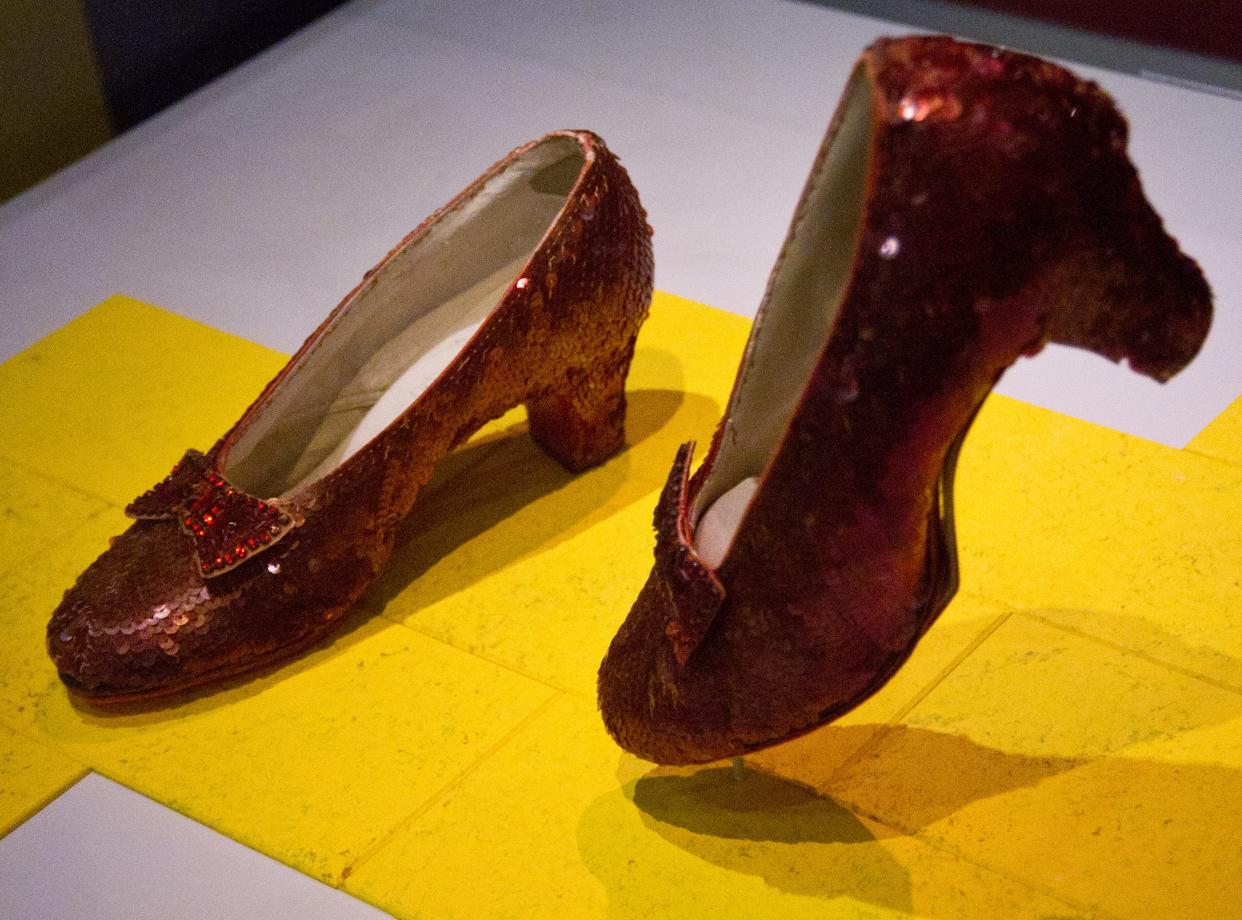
1126,290
581,421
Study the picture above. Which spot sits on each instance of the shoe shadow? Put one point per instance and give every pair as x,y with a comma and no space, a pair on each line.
753,826
1121,835
1129,835
505,499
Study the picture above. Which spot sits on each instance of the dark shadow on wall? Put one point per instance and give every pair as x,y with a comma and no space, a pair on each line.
1177,53
51,107
150,53
74,73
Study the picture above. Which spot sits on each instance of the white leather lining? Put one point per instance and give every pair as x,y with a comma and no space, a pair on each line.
405,325
792,326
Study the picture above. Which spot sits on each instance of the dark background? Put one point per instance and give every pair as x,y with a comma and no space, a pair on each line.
150,53
1212,27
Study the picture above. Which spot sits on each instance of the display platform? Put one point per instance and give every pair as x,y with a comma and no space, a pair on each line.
1067,741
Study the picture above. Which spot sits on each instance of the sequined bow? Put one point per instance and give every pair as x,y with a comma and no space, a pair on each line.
695,593
227,525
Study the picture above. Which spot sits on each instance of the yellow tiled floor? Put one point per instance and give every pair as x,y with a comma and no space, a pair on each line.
1066,742
1096,774
31,775
560,824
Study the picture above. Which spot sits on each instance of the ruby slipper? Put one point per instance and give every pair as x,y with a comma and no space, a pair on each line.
529,287
967,206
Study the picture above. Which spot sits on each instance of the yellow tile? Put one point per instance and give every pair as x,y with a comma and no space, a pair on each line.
1222,438
703,342
312,762
813,758
1110,534
1019,689
112,400
1077,767
550,616
29,592
34,511
31,775
559,823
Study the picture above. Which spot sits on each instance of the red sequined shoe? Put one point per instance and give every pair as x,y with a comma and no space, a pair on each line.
968,205
529,287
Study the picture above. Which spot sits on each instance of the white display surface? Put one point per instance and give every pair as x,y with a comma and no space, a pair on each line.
102,851
255,204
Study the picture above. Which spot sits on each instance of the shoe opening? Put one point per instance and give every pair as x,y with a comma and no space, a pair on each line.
793,324
405,324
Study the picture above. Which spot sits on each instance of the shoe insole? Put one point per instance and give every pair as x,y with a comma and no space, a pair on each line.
370,402
720,522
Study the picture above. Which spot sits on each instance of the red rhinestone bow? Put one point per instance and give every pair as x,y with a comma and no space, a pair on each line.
227,525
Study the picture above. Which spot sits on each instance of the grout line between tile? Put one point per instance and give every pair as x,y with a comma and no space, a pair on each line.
931,685
490,660
63,483
41,546
1115,646
948,669
1109,643
937,844
932,841
31,733
437,796
25,467
1126,650
1206,456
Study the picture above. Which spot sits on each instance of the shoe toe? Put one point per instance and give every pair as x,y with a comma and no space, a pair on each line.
129,622
759,676
647,699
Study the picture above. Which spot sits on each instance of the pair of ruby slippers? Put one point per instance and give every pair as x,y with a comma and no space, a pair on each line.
967,206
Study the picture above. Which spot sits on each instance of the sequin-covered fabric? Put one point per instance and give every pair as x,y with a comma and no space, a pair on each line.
183,598
1000,213
695,594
